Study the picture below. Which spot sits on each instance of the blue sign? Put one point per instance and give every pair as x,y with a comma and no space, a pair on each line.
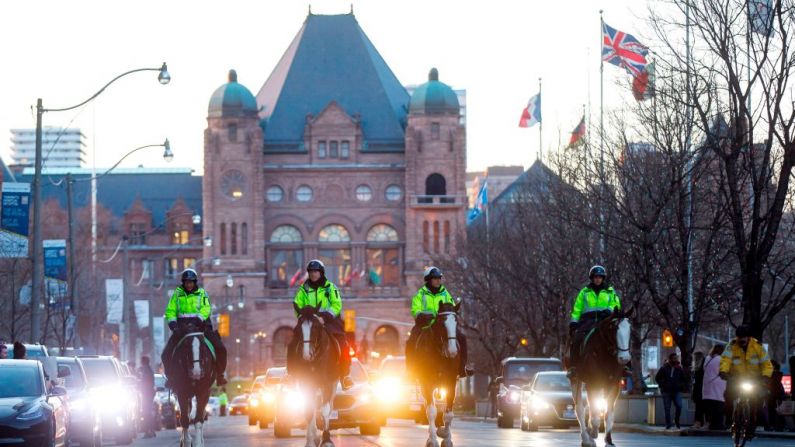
55,269
14,220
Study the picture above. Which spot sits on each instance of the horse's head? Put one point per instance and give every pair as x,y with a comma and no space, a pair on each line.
193,354
617,329
309,326
446,326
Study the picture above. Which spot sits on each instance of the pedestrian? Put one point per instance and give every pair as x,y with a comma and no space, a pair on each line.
146,378
774,398
713,389
792,374
20,352
698,383
223,400
672,381
3,351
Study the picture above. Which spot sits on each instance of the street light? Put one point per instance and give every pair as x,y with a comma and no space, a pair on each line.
37,254
260,337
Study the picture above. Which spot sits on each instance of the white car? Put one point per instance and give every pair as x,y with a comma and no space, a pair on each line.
213,406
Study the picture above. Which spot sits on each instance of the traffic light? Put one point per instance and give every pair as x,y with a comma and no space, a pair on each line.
667,339
223,325
523,341
349,318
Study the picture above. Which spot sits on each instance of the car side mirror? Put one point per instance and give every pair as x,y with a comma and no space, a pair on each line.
57,391
64,371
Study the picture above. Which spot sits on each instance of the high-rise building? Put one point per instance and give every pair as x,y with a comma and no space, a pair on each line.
60,148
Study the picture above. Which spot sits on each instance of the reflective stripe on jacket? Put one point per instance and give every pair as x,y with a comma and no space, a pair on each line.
427,302
588,301
752,361
328,297
186,305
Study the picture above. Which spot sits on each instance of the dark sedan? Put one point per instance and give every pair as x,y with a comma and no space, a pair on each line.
30,414
84,417
548,402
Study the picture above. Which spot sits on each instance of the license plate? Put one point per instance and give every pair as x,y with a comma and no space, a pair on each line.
568,414
415,407
334,415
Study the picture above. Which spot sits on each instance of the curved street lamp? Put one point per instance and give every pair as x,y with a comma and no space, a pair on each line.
37,255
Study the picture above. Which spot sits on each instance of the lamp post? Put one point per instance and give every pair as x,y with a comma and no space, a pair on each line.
37,254
237,357
260,336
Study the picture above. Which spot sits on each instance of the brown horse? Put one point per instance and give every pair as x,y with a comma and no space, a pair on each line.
599,374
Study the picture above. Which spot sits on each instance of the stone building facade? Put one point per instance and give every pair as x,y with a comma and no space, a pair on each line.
333,160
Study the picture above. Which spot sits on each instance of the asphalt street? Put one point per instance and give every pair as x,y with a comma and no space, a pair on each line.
234,431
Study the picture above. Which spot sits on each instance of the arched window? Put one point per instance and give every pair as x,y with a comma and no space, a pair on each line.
386,341
233,239
435,185
334,233
223,238
244,238
382,233
285,234
281,338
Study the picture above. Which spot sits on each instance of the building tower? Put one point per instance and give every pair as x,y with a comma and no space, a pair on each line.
233,198
435,176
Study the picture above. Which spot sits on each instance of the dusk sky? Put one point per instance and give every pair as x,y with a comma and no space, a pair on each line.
63,51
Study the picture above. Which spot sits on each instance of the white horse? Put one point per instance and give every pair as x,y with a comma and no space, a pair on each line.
599,374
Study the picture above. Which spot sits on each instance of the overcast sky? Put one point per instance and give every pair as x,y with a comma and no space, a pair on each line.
63,51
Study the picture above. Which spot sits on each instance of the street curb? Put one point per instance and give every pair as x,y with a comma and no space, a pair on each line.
645,429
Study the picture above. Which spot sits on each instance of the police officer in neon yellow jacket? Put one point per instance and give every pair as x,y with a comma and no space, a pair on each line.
191,303
595,302
424,308
318,291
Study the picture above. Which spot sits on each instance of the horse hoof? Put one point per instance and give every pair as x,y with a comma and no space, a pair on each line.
442,432
447,443
327,444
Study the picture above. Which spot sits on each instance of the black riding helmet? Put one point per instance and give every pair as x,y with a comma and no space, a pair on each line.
316,264
432,272
743,331
189,275
597,270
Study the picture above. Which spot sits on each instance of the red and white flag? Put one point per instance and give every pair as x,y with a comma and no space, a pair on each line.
295,277
531,115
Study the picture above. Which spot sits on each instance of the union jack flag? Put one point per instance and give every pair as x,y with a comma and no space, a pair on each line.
623,50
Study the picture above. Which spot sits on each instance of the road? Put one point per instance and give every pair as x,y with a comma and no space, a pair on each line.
234,431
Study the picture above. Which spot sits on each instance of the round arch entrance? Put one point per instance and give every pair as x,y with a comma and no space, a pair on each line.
281,338
387,341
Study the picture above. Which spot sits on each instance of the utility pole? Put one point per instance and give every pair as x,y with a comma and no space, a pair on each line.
73,303
37,254
128,308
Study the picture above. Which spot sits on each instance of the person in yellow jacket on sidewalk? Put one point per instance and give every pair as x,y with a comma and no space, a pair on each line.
191,303
746,359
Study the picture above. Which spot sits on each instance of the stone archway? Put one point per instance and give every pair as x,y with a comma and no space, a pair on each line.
281,338
386,341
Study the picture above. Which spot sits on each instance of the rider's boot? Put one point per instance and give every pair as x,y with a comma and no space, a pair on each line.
220,380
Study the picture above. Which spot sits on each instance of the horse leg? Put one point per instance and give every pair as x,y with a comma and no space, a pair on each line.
325,412
595,420
430,413
201,404
610,416
311,424
444,431
184,420
579,408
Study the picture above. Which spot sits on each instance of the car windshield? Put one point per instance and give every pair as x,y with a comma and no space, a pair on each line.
524,372
393,367
74,381
100,371
20,381
552,382
160,381
31,352
274,377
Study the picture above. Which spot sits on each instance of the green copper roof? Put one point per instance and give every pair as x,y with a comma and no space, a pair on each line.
232,100
434,97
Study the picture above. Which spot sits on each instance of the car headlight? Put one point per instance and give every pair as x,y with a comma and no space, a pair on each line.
601,404
295,400
538,403
747,386
388,389
34,412
111,398
79,404
268,397
208,408
253,402
513,396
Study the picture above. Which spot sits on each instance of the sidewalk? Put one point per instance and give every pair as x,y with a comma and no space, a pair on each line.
657,430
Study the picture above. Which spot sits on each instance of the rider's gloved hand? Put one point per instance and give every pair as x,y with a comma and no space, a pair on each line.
572,327
172,325
326,316
423,319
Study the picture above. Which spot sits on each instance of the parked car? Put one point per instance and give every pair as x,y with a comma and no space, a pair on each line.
516,373
31,411
113,397
262,398
165,404
213,406
356,407
399,398
84,416
239,405
32,351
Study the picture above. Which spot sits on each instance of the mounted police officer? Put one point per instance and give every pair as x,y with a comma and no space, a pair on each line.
190,303
317,291
595,302
424,309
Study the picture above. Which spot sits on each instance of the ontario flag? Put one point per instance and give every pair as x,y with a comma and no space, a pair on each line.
297,277
578,133
643,84
532,113
623,50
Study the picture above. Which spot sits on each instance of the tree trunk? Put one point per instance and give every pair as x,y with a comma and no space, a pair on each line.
635,346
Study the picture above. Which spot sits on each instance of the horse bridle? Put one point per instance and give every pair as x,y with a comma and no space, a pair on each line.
316,345
617,349
445,314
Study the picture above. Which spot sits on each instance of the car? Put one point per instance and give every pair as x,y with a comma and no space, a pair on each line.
84,416
239,405
113,397
399,398
213,406
516,373
32,351
547,401
165,404
262,397
356,407
32,412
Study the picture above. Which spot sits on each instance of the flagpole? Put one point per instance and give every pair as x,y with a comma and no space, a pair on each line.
601,134
540,124
588,87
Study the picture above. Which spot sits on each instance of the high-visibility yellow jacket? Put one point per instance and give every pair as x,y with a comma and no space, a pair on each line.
589,301
427,302
752,361
186,305
326,296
